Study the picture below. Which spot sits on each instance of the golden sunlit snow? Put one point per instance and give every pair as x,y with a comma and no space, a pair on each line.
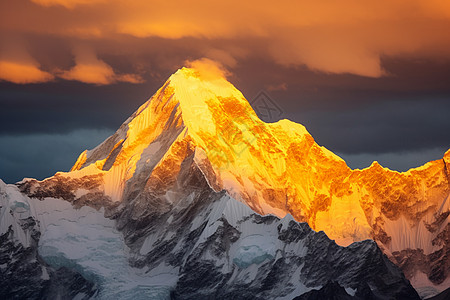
276,168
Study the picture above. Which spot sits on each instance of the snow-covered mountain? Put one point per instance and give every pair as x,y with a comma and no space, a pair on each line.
200,245
195,197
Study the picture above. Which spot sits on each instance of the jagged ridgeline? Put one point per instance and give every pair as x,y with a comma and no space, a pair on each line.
195,197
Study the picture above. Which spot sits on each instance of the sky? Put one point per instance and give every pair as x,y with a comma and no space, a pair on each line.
370,79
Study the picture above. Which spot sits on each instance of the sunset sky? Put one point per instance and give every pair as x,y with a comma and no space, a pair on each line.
370,79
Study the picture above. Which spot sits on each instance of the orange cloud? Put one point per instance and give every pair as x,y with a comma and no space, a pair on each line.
208,68
65,3
89,69
333,36
19,72
222,56
277,87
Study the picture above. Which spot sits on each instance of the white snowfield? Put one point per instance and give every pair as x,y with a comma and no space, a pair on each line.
83,240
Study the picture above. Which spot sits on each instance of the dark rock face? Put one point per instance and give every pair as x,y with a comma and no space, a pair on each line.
435,265
330,291
334,291
21,273
24,275
67,284
359,267
444,295
65,188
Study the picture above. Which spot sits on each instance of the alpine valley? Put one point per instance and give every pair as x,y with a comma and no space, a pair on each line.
194,197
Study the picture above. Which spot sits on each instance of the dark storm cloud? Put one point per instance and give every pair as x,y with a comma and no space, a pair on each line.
53,108
382,127
345,36
42,155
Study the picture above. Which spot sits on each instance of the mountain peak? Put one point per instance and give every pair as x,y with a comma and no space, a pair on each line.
208,101
195,106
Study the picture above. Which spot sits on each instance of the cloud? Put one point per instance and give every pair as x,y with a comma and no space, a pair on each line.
346,36
22,73
208,69
224,57
18,66
42,155
277,87
89,69
378,126
329,55
66,3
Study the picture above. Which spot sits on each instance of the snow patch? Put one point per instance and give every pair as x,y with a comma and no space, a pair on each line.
253,249
81,192
350,291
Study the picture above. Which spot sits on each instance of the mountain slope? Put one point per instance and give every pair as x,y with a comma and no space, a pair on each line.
277,169
199,244
176,167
